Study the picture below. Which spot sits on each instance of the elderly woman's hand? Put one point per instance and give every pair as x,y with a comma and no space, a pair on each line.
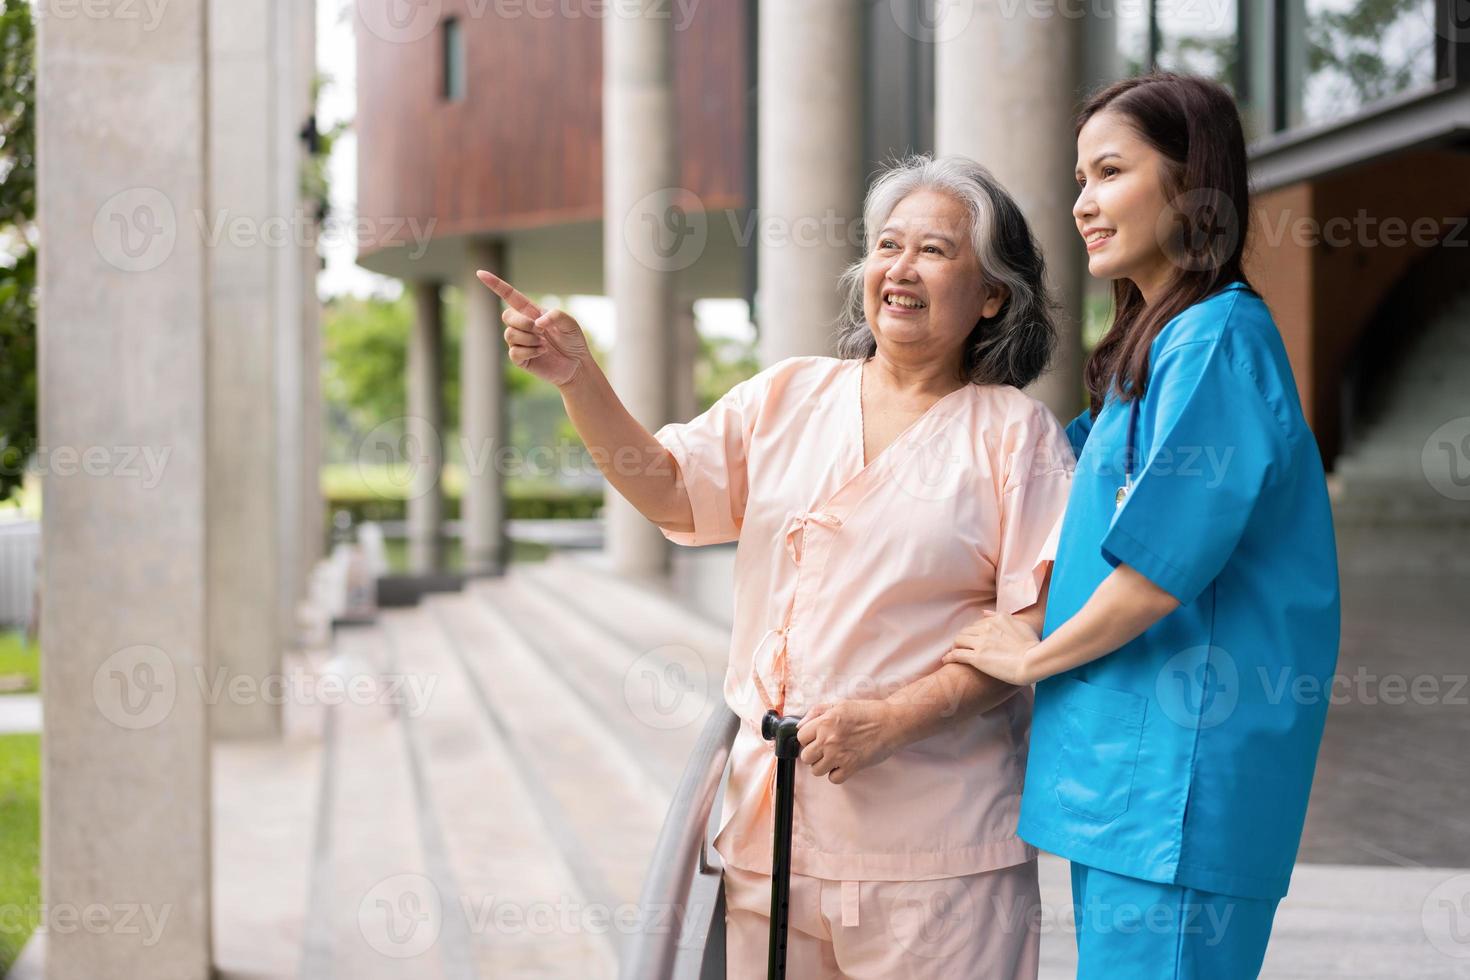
996,644
548,343
841,738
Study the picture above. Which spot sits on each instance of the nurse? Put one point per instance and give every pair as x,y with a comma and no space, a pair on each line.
881,500
1196,587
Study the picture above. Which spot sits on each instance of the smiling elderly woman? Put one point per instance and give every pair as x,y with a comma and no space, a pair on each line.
883,501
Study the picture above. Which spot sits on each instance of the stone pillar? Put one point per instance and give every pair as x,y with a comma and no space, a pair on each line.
683,397
124,371
640,178
425,431
313,507
1007,89
811,180
483,421
249,422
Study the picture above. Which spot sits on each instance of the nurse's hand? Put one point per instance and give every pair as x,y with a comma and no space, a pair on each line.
996,644
841,738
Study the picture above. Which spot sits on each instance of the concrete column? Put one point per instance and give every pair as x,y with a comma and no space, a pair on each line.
248,601
811,180
683,398
1007,88
640,178
483,421
313,507
425,430
124,372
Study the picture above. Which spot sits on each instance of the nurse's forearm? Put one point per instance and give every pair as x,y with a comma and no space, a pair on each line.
936,701
634,462
1120,609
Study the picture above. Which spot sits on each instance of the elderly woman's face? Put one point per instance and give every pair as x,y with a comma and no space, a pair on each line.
922,287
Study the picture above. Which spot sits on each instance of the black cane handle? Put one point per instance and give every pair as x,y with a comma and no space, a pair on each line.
781,729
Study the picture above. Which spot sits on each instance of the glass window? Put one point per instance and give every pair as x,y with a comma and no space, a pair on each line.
453,60
1342,55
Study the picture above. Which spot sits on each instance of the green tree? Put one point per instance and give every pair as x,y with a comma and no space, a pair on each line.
17,245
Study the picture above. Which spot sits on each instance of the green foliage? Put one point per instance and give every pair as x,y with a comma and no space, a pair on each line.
20,842
17,252
19,659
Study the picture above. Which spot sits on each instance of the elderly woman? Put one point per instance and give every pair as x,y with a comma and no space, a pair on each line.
883,501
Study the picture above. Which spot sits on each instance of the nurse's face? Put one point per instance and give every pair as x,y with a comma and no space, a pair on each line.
1123,197
923,291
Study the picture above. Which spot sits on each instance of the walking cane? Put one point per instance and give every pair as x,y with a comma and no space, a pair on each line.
781,730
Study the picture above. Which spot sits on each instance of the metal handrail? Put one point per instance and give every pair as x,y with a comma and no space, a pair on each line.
682,903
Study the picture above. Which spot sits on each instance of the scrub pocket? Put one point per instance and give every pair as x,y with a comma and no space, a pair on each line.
1102,731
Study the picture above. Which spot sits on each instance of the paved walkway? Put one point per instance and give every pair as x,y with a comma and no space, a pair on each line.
20,713
487,807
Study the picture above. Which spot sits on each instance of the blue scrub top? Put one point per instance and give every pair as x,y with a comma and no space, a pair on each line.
1186,756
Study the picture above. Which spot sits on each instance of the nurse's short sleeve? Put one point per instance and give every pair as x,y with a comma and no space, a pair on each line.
711,451
1214,446
1033,502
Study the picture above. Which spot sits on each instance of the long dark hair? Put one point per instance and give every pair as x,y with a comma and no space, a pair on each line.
1195,125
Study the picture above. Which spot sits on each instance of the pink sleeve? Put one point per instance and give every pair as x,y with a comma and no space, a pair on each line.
1038,482
711,450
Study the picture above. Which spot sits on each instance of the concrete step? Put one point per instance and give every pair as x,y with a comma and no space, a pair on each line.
653,700
490,837
605,808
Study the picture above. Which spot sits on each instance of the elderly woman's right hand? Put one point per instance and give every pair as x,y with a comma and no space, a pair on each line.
549,344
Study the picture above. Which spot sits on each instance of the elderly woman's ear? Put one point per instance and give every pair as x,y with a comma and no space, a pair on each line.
995,299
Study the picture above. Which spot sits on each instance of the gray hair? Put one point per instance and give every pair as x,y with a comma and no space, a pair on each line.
1014,346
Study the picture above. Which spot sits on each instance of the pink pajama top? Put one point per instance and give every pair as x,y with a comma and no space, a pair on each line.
851,581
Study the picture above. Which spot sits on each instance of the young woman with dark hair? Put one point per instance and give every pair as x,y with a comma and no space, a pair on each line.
1195,592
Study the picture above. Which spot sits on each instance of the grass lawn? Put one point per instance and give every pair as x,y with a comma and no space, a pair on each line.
17,659
20,842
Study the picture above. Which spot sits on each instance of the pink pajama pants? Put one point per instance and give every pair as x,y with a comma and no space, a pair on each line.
980,925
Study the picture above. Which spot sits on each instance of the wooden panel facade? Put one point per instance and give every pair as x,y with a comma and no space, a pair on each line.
524,147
